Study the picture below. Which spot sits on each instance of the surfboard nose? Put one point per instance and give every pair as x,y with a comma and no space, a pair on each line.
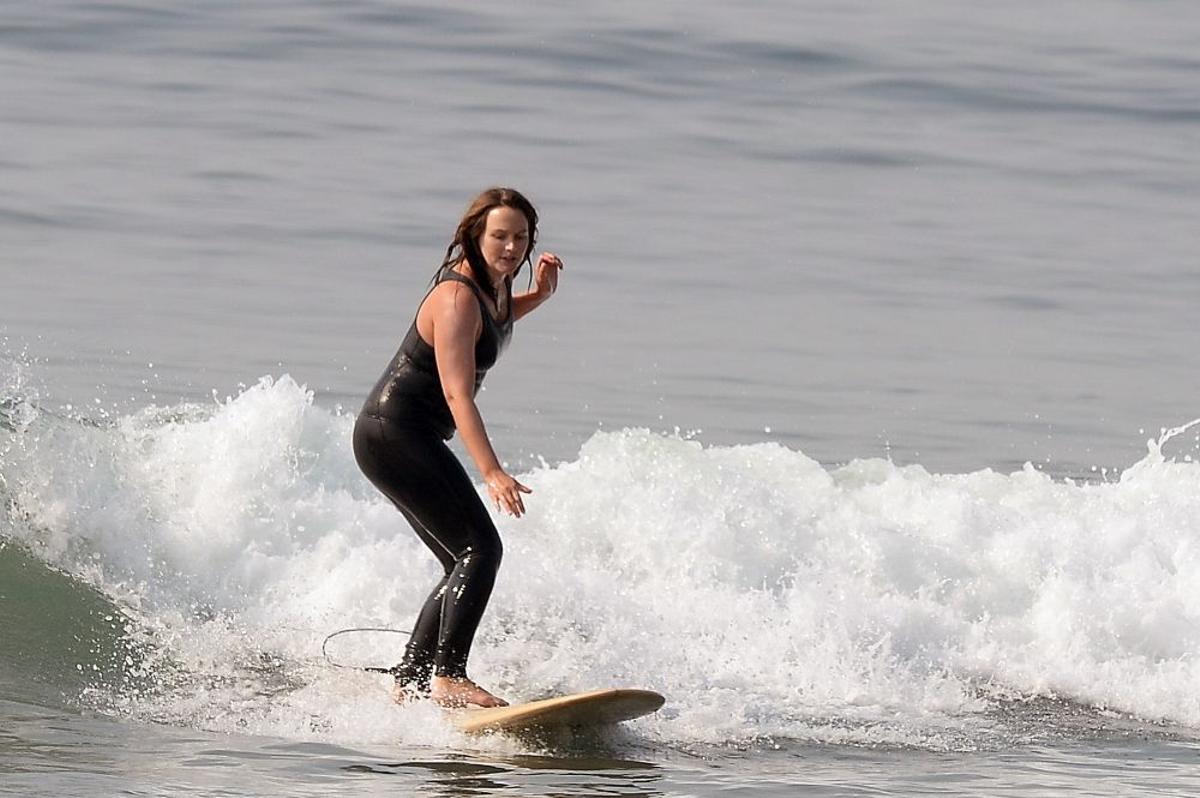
594,708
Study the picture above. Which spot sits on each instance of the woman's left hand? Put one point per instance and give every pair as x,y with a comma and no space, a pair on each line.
506,492
545,273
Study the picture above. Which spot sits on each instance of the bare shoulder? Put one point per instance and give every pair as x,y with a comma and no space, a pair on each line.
451,304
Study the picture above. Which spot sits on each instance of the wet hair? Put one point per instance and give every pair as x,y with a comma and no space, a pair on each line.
465,244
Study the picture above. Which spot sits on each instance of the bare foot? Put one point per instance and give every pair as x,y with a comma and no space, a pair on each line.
460,691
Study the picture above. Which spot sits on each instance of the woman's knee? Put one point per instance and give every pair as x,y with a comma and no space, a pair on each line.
486,551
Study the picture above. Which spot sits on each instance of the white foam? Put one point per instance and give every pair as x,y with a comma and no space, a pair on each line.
764,594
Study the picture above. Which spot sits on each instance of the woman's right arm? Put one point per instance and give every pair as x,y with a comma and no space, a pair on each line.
456,324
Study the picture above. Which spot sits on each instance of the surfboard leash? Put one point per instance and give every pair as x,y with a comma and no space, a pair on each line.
368,668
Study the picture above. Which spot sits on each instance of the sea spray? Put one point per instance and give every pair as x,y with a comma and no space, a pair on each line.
765,595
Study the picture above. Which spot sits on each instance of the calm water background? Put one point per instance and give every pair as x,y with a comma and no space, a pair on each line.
957,236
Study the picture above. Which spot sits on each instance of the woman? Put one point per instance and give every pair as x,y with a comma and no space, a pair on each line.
428,391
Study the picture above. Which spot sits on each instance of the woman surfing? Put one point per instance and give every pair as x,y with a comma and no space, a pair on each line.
425,394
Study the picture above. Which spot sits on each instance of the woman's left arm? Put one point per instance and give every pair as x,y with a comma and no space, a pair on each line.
545,283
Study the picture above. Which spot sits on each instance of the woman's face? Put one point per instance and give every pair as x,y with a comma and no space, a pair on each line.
505,240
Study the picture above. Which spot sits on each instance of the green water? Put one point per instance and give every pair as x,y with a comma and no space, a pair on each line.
62,636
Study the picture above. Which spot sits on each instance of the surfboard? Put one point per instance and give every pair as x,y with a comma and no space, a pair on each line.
595,708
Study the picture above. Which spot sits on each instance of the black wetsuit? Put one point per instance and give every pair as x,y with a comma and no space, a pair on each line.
399,443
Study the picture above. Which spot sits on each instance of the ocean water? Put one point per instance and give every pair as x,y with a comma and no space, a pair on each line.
862,426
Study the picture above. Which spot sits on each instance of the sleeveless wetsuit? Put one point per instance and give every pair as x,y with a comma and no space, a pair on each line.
399,443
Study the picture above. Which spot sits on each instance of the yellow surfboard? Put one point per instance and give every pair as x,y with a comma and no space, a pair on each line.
595,708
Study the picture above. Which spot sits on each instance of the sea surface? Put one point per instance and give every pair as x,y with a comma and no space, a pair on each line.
861,425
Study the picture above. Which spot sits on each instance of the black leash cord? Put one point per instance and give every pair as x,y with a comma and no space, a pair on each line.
369,668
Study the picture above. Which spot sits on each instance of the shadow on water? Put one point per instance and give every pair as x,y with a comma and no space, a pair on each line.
567,762
529,774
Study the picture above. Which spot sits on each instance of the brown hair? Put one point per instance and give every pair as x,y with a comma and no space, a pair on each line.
465,246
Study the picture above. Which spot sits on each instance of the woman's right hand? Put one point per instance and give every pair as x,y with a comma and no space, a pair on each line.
506,492
545,274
